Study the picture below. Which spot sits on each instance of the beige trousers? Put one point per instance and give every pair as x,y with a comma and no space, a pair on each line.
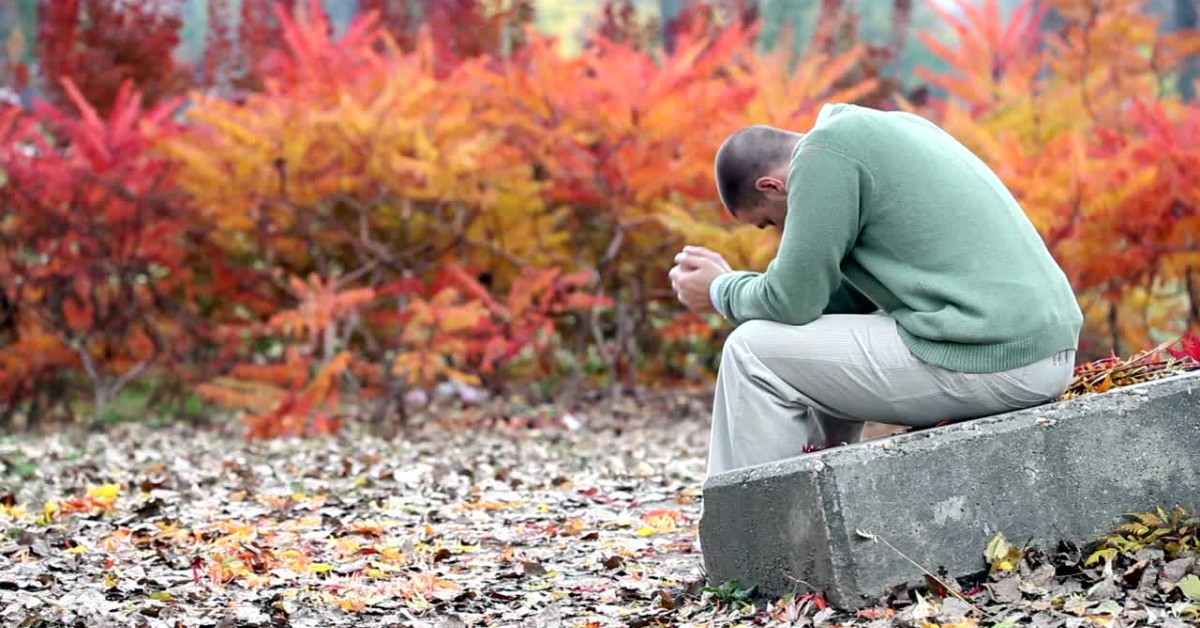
782,387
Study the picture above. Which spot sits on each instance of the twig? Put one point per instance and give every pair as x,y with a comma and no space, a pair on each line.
129,376
875,537
1193,290
799,581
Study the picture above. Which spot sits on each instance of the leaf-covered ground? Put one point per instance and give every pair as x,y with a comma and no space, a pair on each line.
573,521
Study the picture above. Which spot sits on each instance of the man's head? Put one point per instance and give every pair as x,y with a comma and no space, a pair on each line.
751,171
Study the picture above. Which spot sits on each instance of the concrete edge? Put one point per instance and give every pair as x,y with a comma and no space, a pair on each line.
834,521
755,473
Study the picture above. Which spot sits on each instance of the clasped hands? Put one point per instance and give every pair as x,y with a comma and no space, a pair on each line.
695,269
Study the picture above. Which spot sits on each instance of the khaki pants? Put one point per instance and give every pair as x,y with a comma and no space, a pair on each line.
782,387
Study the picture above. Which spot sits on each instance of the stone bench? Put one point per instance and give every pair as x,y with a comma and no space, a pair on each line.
1063,471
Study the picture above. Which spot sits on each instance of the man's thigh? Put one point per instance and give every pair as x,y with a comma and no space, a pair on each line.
856,367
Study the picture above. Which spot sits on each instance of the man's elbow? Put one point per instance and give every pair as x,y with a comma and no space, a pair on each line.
795,319
787,311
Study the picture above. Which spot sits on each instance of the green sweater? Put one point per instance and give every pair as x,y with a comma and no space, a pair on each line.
887,211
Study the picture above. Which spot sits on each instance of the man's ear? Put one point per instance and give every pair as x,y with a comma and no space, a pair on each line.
772,187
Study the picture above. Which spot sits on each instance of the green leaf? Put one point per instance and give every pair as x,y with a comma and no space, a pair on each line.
997,548
1002,555
1191,587
1103,554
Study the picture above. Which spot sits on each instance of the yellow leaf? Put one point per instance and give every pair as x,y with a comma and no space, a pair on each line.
462,376
105,493
49,511
14,512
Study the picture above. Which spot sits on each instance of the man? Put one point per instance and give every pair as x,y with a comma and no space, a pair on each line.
909,288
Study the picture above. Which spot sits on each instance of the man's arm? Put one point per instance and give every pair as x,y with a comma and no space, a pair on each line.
846,299
822,225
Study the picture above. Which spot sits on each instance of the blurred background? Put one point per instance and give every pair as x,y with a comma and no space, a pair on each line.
574,21
301,213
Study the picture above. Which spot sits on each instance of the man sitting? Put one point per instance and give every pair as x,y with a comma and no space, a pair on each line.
909,288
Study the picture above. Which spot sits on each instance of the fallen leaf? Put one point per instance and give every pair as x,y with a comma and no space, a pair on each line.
1175,570
1190,586
530,568
1002,555
1106,589
1006,591
954,610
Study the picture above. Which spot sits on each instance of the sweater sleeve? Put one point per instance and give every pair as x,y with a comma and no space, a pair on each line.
821,227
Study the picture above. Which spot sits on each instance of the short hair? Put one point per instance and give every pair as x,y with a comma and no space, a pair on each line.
746,155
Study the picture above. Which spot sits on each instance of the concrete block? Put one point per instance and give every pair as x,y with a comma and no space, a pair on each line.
1063,471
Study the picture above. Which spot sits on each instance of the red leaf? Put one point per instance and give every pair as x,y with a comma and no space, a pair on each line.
1190,347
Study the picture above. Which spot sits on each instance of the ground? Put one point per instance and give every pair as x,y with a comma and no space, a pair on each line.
573,520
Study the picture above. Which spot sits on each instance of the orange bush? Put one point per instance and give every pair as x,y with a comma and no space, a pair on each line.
384,214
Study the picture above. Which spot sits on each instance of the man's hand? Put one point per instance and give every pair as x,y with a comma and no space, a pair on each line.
695,269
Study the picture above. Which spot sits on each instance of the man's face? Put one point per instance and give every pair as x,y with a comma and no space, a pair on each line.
771,209
769,213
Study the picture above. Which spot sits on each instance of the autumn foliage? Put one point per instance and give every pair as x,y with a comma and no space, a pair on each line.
101,44
333,222
96,244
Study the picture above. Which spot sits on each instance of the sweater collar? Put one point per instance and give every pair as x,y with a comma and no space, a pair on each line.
828,111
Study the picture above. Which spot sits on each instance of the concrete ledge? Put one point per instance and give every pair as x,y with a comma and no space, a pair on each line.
1063,471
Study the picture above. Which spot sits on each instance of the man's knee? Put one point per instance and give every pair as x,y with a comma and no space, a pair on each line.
749,339
753,334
